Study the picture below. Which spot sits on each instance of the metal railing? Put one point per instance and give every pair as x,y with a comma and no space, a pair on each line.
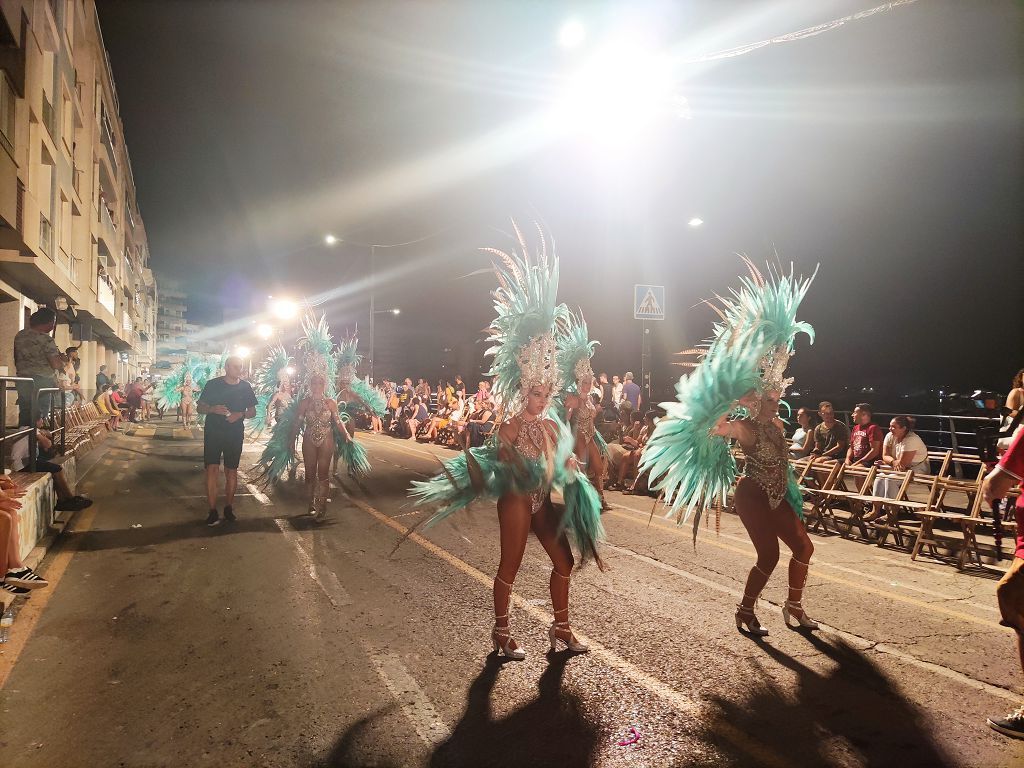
56,421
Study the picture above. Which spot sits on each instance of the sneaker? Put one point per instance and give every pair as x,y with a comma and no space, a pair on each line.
1011,725
25,578
212,518
229,515
73,504
12,589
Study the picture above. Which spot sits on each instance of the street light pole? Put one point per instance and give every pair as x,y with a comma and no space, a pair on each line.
373,303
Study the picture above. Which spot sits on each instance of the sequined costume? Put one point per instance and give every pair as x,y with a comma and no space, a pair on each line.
767,463
583,420
531,442
317,422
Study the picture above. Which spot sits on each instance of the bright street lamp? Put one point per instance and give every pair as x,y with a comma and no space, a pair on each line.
695,222
392,311
265,331
572,34
284,309
330,239
243,351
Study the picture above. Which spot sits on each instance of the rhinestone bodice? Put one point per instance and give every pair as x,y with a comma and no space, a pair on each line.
583,420
317,421
767,462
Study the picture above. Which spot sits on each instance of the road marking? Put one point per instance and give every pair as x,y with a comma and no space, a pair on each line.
259,495
417,708
672,528
927,607
855,640
668,525
679,701
327,580
31,610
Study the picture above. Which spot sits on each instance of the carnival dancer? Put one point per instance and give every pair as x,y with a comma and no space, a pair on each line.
574,352
531,454
356,395
273,388
734,393
319,420
279,457
188,391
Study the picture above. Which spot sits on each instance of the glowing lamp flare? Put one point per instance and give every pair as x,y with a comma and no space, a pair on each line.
572,34
284,309
696,221
265,331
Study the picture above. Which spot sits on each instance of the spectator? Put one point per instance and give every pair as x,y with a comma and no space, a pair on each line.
106,407
596,388
36,357
902,449
831,437
802,442
102,378
483,390
422,391
74,361
1010,592
418,415
45,447
621,453
460,387
631,392
134,397
16,578
117,398
616,390
866,438
479,425
607,423
147,399
1013,409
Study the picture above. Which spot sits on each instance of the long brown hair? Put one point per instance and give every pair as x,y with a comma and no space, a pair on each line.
1018,380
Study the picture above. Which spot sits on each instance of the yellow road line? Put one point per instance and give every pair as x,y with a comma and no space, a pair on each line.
32,609
673,530
679,701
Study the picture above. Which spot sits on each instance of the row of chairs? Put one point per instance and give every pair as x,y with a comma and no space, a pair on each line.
951,496
85,426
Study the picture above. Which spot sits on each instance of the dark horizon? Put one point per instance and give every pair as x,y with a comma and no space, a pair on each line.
888,151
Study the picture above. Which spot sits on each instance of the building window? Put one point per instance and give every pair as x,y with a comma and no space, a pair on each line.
7,109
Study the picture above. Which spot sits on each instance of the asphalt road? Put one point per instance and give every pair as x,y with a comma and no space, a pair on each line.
279,642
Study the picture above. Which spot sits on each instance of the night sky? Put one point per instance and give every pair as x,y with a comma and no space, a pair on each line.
888,150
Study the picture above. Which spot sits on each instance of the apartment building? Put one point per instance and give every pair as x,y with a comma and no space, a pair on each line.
71,234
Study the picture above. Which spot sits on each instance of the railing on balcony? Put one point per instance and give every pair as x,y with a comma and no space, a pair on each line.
45,236
105,293
49,118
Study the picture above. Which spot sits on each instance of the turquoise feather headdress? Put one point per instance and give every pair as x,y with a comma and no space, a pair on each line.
317,353
523,333
348,358
575,350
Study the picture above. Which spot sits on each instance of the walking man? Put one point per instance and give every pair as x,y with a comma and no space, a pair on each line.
227,401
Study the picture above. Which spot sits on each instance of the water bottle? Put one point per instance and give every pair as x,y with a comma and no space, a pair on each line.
5,622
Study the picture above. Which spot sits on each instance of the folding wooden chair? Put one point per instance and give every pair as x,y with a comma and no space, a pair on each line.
855,500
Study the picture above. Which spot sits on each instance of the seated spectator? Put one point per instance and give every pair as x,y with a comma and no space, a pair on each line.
66,500
450,433
902,449
639,485
831,437
117,397
418,415
440,419
106,406
802,442
479,425
623,455
607,423
866,438
16,578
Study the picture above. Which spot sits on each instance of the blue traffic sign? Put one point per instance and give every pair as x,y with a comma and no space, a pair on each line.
649,302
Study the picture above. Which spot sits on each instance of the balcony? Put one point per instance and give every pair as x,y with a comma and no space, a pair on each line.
108,230
50,118
105,293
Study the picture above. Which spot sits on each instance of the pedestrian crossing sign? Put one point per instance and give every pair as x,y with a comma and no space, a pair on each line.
649,302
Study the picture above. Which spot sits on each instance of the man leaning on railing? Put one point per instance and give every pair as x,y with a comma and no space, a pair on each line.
36,356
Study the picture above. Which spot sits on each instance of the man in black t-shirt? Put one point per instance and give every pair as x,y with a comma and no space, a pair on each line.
227,401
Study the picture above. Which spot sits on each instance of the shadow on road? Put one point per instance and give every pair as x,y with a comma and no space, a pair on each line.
852,713
549,731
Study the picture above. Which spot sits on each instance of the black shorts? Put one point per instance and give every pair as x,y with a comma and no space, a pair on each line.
217,443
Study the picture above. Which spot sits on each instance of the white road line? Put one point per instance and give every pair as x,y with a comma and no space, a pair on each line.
326,580
818,562
862,643
417,708
261,497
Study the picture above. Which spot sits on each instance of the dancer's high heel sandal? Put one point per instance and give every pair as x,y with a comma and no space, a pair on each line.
556,634
746,616
796,611
501,639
